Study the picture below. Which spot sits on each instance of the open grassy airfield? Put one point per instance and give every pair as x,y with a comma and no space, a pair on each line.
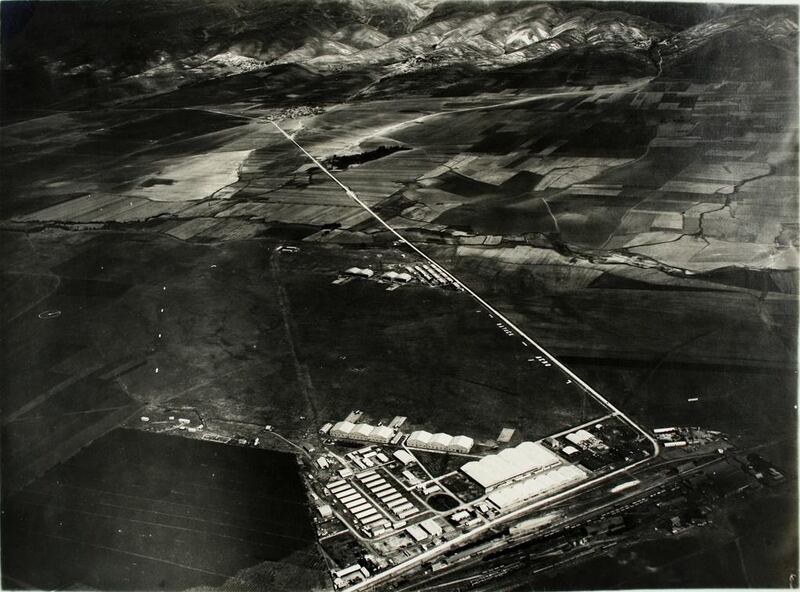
625,190
198,318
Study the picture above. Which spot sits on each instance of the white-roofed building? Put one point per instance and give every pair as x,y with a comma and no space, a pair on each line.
439,441
362,431
393,276
461,444
419,439
358,271
348,575
342,429
534,486
511,463
505,435
431,526
381,434
577,438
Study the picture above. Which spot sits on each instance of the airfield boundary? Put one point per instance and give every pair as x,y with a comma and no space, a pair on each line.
492,310
436,551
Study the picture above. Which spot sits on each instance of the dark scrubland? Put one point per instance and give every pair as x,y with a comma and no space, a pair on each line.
143,511
154,322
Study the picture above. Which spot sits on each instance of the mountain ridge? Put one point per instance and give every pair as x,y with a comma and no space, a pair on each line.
377,38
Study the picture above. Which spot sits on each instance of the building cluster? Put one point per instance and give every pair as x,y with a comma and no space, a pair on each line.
368,457
445,442
466,517
429,274
294,112
349,575
364,512
388,495
675,437
364,432
351,429
364,458
375,503
586,440
670,437
392,277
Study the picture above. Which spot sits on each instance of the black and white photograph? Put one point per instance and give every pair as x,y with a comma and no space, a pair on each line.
398,295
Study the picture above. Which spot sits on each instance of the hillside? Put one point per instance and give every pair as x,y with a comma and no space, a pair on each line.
57,53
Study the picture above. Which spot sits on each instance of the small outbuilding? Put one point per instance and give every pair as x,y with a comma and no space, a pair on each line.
365,272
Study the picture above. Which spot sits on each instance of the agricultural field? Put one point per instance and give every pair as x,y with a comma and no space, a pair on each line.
648,168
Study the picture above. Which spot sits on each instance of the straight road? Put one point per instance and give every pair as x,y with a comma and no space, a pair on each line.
484,304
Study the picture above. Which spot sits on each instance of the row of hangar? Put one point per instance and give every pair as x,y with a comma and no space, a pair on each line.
421,439
392,276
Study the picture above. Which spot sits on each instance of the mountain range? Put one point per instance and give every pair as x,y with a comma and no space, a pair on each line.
96,51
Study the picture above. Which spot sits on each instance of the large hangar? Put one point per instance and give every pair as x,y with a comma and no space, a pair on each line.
511,463
535,485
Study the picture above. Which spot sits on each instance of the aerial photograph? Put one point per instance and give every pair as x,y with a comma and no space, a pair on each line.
398,295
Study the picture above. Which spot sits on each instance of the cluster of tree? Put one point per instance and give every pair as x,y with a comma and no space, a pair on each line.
342,162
